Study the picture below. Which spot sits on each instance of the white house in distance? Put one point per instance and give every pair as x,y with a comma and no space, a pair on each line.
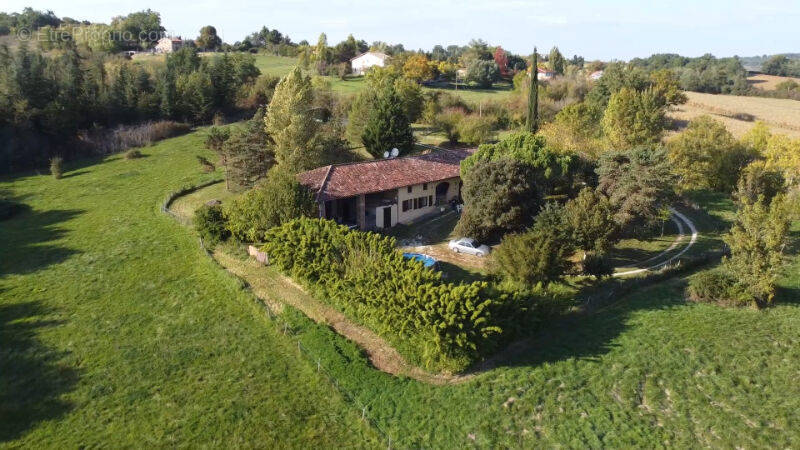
596,75
364,61
168,44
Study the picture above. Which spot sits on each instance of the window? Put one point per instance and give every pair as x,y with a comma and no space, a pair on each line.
409,189
430,200
423,202
406,205
424,186
416,203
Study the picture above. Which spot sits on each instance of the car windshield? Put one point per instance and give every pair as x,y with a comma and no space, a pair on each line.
469,242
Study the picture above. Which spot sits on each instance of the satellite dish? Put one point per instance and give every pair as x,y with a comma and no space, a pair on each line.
385,154
395,152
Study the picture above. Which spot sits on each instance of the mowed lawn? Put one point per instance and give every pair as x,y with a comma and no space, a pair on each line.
118,331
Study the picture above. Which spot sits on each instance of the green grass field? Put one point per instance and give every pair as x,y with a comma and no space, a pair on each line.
118,331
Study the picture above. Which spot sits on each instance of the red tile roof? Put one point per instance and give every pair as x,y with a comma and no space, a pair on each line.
348,180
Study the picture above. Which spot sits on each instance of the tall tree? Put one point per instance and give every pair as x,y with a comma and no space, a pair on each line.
556,60
290,121
208,39
634,118
387,126
532,122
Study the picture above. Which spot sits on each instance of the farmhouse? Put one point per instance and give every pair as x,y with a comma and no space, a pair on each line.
382,193
364,61
168,44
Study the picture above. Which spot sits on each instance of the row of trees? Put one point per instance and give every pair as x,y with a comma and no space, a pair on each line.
48,100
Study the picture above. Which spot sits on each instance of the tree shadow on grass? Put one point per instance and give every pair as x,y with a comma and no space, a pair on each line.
31,380
581,335
24,239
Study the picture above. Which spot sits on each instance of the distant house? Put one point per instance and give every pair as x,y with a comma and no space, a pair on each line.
168,44
543,74
382,193
364,61
596,75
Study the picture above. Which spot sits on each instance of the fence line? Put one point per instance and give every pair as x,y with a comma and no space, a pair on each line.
287,329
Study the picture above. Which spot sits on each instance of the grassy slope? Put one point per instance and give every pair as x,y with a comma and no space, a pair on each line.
122,332
117,330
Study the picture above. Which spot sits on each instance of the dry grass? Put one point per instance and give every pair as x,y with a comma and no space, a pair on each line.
783,116
768,82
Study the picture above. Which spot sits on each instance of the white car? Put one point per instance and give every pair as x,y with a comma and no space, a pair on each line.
468,245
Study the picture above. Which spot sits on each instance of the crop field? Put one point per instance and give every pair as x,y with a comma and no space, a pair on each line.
768,82
119,331
739,113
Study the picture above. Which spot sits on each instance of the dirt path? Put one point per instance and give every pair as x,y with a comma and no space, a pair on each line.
680,217
276,289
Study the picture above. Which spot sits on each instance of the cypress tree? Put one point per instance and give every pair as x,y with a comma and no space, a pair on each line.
533,96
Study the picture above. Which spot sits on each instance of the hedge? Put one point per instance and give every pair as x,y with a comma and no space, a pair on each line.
440,326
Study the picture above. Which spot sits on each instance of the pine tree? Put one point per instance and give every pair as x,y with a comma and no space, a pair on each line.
290,121
532,123
387,126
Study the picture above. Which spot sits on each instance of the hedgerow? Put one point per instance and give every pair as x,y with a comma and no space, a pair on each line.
438,325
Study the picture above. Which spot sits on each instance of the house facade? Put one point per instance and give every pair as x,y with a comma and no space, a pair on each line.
380,194
168,44
361,63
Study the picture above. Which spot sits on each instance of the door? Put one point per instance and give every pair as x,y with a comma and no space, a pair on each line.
387,217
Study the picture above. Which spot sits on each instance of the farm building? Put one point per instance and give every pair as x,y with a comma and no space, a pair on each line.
361,63
168,44
382,193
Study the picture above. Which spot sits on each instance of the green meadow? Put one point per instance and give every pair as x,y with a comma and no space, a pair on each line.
118,331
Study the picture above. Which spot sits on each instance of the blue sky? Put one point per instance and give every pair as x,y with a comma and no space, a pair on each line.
610,29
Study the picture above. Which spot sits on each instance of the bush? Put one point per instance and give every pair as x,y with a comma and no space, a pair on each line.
278,200
475,129
439,325
205,164
717,286
538,255
597,264
210,224
133,153
56,166
449,121
106,142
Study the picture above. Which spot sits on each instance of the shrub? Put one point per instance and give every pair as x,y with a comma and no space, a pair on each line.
597,264
210,224
106,142
205,164
716,286
278,200
56,163
538,255
448,122
133,153
475,129
439,325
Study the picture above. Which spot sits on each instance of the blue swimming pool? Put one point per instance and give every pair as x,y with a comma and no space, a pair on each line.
424,259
